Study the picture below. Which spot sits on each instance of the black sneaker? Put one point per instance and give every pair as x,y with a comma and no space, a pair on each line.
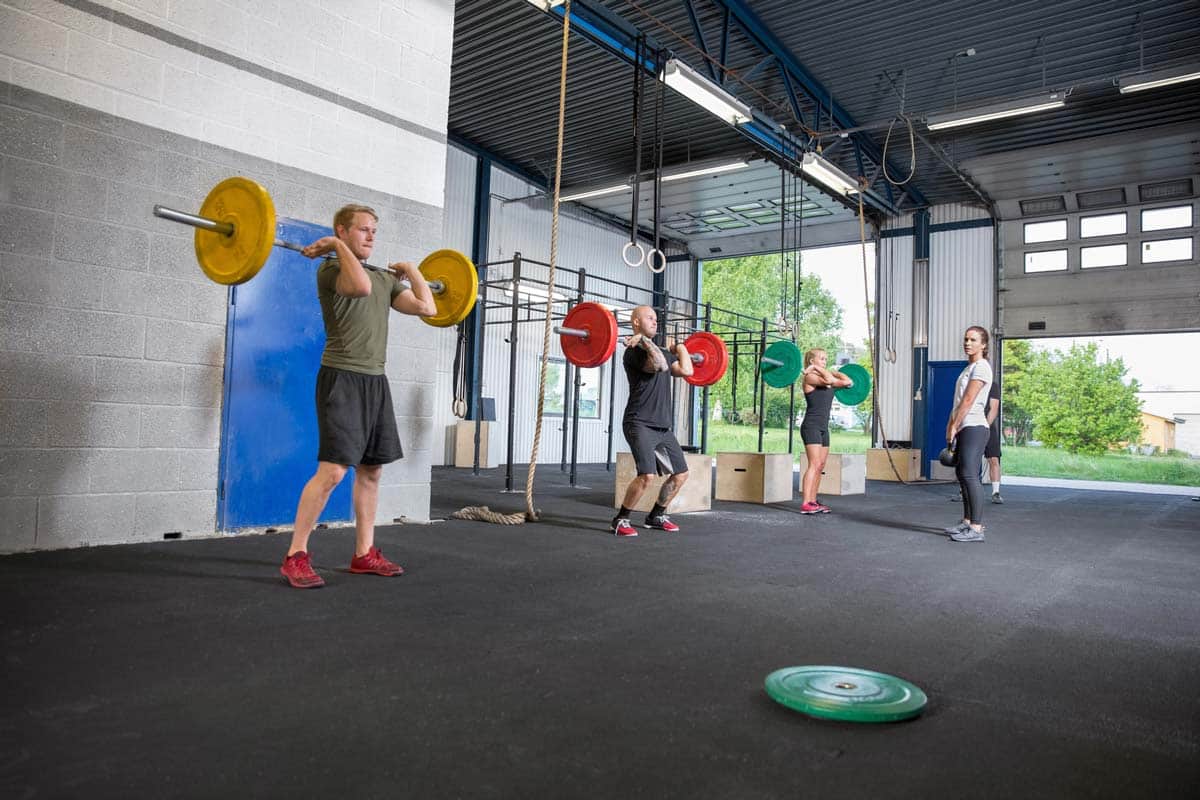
997,499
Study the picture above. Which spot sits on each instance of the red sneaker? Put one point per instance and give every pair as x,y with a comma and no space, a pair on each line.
373,563
663,523
621,527
297,568
811,508
824,509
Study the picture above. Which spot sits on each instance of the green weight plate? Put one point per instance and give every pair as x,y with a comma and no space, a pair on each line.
861,390
845,693
792,364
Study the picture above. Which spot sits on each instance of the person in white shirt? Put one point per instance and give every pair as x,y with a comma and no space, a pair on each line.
967,431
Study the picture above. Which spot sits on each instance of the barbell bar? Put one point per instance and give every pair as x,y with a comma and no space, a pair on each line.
235,231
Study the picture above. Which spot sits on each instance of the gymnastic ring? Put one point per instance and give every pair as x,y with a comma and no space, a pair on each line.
641,254
662,260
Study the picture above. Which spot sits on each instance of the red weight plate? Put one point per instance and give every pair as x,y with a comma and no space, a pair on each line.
601,341
716,358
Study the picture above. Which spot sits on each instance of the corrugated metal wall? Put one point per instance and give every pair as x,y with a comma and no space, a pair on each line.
961,287
895,297
457,226
521,222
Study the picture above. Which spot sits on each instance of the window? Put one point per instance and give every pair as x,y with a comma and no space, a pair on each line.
1053,231
1046,261
1109,255
589,390
1102,225
1167,250
1161,219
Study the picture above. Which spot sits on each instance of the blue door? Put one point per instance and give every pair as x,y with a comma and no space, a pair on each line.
941,378
273,345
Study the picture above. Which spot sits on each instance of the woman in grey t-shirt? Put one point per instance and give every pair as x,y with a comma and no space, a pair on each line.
968,428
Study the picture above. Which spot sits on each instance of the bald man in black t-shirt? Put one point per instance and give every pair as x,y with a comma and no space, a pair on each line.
647,422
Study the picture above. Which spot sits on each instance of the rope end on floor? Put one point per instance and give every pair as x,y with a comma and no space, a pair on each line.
484,514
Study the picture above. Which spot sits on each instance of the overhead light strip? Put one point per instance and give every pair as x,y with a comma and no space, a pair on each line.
585,194
704,93
1142,81
825,173
1003,110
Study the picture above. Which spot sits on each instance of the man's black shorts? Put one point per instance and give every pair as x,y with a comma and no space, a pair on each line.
992,450
355,418
655,450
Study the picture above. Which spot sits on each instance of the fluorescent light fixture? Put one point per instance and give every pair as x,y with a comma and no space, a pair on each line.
624,187
704,93
696,172
1001,110
546,5
826,174
533,291
1152,80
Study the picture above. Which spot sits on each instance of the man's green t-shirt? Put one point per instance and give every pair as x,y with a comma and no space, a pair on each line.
356,328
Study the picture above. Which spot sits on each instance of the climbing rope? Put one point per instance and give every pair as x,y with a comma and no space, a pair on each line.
862,240
483,513
530,513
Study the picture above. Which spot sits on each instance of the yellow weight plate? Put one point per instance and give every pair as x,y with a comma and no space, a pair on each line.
238,257
460,286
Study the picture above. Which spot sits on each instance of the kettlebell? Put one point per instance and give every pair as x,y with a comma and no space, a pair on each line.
948,457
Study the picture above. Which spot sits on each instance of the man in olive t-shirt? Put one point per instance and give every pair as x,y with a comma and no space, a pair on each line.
355,420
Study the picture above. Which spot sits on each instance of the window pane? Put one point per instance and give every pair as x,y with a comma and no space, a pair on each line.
589,393
1052,231
1103,225
1160,219
1109,255
1167,250
1046,261
554,387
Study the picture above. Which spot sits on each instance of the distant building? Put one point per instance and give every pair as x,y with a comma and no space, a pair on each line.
1157,432
1187,434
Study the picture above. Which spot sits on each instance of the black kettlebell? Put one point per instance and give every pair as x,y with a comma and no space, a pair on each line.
948,457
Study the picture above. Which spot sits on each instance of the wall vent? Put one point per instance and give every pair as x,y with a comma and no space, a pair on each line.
1043,205
1167,190
1101,198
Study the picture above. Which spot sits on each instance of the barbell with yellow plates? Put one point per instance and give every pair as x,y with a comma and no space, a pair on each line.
235,231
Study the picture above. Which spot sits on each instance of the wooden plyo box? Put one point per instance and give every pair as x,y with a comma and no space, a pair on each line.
696,494
844,473
754,477
908,464
460,444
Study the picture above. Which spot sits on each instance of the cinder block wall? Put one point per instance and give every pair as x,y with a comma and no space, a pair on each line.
111,340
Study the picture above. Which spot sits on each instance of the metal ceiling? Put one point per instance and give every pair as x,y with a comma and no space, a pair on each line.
875,61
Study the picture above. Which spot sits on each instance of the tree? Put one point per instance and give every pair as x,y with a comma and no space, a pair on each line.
1018,358
752,286
1079,403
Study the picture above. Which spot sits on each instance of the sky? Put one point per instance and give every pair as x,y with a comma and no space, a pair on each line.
1166,365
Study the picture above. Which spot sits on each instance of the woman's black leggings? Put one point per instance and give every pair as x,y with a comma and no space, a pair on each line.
969,450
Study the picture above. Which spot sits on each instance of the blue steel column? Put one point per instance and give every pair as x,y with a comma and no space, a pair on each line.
920,362
479,249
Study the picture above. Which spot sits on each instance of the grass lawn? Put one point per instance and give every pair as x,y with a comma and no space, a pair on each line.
1030,462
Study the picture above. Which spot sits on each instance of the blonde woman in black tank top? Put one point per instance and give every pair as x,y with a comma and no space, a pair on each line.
819,385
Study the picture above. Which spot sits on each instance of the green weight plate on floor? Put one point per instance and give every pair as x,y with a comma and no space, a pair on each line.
861,390
845,693
786,372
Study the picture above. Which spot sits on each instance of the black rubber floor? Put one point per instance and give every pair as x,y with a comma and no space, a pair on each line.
550,660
